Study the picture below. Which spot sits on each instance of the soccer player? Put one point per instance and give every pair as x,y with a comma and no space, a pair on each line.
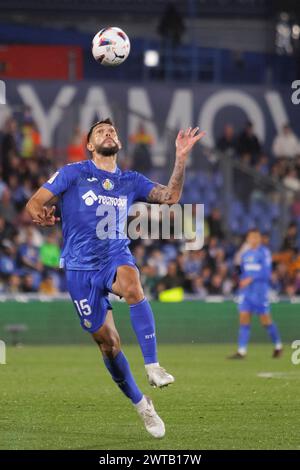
256,264
96,264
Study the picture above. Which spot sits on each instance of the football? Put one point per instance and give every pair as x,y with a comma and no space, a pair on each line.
111,46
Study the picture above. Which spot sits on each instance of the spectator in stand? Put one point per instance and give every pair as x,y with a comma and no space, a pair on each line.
21,191
7,208
31,139
139,254
141,155
10,146
248,143
193,264
297,166
14,284
29,256
295,209
290,290
150,279
76,150
156,260
262,165
290,239
47,286
286,144
297,282
282,276
227,142
276,172
216,285
171,26
173,278
215,223
275,284
28,230
7,259
206,276
198,287
294,265
7,230
50,252
28,284
292,183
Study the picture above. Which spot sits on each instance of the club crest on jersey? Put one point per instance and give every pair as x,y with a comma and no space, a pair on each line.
87,323
107,184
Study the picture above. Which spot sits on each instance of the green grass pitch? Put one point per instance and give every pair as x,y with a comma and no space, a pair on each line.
63,398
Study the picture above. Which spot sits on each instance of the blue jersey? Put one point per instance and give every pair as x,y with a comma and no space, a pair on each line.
256,264
91,200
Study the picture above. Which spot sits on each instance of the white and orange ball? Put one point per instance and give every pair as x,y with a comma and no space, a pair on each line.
111,46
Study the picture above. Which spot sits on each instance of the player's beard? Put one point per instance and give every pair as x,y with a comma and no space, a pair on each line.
107,151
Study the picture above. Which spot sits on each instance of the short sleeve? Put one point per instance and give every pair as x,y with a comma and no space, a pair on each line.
60,181
143,186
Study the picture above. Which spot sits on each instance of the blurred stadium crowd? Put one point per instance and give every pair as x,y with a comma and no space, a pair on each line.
29,256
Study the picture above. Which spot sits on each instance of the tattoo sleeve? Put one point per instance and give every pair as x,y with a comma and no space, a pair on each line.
171,193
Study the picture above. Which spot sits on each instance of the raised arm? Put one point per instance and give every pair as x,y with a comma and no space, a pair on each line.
171,193
37,208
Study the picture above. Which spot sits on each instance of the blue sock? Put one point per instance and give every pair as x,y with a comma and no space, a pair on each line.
121,374
244,335
142,321
273,333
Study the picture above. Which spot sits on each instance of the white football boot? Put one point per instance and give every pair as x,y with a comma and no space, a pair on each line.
153,423
158,376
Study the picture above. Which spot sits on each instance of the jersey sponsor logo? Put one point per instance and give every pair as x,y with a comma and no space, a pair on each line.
50,180
107,184
252,267
112,201
90,197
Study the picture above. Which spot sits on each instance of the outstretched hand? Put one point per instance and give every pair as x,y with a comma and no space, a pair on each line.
47,218
186,140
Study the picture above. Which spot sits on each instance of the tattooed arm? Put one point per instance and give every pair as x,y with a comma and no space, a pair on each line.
171,193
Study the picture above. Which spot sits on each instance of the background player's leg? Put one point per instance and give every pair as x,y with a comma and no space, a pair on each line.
108,340
244,332
244,335
128,285
267,322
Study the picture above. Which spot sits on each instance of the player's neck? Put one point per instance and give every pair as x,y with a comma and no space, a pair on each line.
105,163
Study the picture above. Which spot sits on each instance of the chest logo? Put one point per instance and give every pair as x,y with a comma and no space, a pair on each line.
107,184
89,198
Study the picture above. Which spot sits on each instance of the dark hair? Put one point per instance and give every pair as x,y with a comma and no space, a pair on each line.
253,230
104,121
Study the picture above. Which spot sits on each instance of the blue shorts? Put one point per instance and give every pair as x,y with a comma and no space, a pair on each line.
89,291
246,304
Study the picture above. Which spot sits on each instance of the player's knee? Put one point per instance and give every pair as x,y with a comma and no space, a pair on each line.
133,293
111,346
244,319
265,320
108,342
